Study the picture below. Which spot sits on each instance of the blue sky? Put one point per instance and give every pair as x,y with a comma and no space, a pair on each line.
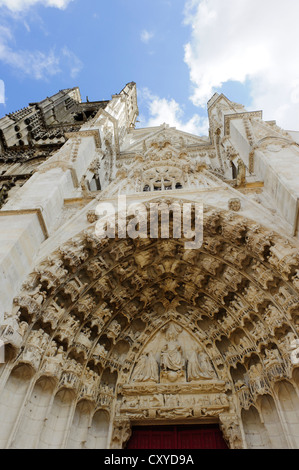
179,52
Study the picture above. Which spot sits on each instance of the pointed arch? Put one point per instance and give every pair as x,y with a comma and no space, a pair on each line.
86,314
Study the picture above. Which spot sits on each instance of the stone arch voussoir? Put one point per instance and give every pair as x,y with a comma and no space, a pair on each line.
86,311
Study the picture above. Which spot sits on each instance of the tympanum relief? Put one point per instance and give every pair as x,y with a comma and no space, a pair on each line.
172,379
172,356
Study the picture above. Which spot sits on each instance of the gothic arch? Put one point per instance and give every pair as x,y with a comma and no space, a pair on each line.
86,312
269,412
257,436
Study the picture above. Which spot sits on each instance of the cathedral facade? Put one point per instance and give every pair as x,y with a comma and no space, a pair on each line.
149,278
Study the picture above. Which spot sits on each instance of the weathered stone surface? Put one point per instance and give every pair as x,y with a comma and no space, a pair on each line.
139,327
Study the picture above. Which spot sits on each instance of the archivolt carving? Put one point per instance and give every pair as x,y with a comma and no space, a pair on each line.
85,314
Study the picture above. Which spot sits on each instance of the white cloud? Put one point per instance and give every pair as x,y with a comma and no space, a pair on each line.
19,5
2,92
168,111
249,40
34,63
73,62
146,36
37,64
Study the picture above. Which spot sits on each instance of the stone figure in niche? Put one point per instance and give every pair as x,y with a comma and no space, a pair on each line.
272,357
11,330
146,369
53,313
113,330
172,354
59,356
38,338
53,359
294,351
38,294
296,279
171,357
99,350
199,367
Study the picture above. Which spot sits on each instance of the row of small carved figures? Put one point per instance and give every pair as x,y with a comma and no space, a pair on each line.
260,333
253,383
32,352
169,400
247,394
75,290
99,392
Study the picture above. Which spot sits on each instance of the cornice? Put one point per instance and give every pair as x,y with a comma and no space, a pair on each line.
229,117
189,149
86,133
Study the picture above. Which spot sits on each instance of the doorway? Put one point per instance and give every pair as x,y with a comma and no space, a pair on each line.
177,437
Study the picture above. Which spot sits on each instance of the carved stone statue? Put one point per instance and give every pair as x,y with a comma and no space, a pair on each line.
53,359
100,350
294,348
146,369
113,330
172,355
11,331
199,367
53,313
234,204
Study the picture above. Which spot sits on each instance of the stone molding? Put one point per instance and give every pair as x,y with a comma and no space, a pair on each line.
38,212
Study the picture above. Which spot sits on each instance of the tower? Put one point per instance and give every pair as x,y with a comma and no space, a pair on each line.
150,277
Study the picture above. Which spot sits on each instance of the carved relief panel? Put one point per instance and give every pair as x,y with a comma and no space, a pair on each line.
172,356
173,379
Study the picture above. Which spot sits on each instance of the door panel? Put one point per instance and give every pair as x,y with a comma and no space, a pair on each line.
177,437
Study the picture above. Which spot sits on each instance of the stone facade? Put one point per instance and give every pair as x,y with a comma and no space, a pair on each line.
101,334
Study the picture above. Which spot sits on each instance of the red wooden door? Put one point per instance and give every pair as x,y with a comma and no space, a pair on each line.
177,437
